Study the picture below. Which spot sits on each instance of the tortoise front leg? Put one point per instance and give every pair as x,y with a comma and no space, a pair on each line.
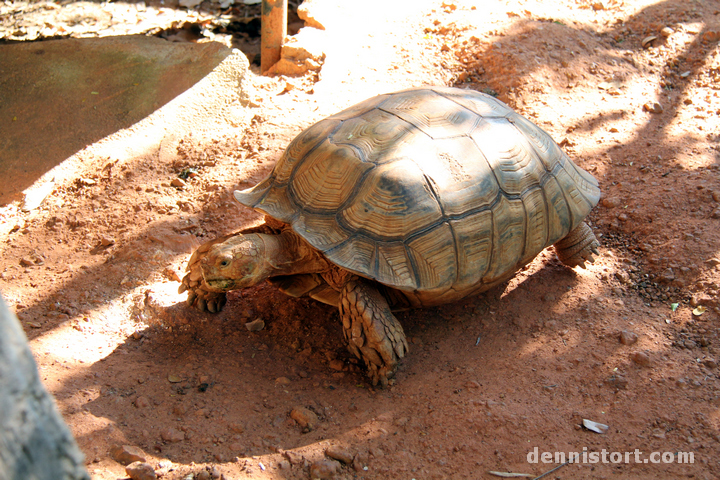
373,333
199,296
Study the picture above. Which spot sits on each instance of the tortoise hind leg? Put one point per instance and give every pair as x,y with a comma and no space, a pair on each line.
373,333
577,247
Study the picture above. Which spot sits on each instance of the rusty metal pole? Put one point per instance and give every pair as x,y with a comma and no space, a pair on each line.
273,31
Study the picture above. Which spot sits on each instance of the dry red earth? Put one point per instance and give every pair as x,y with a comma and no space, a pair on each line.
629,89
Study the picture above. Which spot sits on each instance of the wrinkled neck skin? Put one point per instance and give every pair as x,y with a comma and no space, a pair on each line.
288,254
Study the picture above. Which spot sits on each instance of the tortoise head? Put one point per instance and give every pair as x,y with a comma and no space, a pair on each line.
238,262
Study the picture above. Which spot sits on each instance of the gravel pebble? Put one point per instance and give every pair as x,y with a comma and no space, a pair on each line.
127,454
617,381
255,325
324,469
337,365
710,363
360,462
304,417
641,358
140,471
172,435
653,107
340,453
628,338
611,202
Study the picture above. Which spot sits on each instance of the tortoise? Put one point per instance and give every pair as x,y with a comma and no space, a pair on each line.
409,199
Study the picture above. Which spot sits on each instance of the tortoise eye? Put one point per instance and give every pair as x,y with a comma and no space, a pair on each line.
224,263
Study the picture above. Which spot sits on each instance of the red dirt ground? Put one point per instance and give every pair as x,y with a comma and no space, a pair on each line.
92,272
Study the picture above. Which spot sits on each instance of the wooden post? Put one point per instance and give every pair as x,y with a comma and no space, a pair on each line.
273,31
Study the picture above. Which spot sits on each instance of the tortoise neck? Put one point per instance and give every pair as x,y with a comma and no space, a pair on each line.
288,254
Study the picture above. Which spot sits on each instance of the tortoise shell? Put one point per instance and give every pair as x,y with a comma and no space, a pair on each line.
438,191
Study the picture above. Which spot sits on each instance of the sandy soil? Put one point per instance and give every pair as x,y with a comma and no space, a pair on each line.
629,89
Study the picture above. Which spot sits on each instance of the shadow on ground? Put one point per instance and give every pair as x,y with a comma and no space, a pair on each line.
59,96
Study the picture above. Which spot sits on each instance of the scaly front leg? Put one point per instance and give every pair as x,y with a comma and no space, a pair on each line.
371,330
199,295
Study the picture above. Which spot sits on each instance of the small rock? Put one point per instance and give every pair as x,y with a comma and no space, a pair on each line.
293,457
178,183
337,364
628,338
307,11
171,274
611,202
666,31
472,384
255,325
617,381
127,454
653,107
716,213
340,453
172,435
597,6
282,381
710,363
324,469
360,462
715,195
641,358
142,402
667,276
711,36
236,428
304,417
203,475
623,277
106,241
140,471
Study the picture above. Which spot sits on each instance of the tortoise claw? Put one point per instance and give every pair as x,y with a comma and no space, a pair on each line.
192,295
211,306
202,305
